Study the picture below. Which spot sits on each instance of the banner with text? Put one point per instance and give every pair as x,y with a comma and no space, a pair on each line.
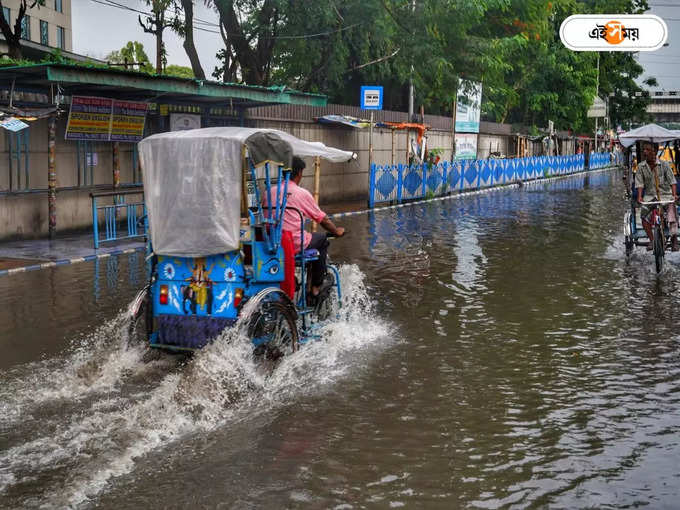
468,106
466,146
105,120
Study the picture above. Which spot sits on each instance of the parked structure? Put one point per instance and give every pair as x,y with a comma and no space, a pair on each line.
37,164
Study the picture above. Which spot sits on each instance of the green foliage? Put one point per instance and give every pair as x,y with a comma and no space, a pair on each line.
134,55
179,71
511,46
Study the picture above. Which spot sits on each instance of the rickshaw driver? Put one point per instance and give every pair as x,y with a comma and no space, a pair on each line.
645,180
302,200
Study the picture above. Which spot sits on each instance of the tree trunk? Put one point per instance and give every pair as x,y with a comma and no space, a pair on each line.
188,44
13,38
252,63
14,50
159,50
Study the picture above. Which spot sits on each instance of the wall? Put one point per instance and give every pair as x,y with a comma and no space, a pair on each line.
349,181
24,213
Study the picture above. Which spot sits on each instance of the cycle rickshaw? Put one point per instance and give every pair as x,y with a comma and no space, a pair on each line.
633,231
216,253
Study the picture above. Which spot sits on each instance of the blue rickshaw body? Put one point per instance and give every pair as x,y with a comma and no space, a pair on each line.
191,300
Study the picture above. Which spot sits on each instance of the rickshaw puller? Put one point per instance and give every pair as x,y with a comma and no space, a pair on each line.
645,180
301,199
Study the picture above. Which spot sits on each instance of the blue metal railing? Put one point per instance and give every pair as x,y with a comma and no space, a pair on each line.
120,219
396,183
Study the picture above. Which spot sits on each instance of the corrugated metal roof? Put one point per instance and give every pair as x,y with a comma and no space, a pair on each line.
79,79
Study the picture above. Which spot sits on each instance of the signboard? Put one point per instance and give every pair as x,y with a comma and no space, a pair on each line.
184,121
468,106
105,120
371,97
13,124
128,121
466,146
598,109
89,118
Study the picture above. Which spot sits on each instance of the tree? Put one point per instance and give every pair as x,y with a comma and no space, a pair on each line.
185,28
156,24
252,27
13,37
179,71
511,46
333,47
619,71
130,55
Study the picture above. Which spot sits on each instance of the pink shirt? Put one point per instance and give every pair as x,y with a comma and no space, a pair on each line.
302,200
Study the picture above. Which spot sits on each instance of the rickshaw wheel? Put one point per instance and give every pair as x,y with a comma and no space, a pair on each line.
327,300
658,249
139,328
273,325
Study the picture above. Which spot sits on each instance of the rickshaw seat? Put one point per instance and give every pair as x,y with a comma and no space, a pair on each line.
309,256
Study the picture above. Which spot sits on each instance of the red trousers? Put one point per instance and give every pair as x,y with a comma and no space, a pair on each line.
288,283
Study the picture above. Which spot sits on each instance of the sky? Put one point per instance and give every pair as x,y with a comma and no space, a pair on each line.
664,64
99,29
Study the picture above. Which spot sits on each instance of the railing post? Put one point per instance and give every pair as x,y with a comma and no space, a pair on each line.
400,181
116,175
371,187
445,183
52,175
95,222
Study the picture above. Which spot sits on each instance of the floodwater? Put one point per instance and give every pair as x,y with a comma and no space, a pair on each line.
495,351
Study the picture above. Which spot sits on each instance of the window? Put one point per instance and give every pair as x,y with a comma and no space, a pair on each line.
6,13
26,27
57,6
60,37
44,34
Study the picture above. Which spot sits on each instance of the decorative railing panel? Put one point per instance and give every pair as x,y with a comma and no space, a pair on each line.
396,183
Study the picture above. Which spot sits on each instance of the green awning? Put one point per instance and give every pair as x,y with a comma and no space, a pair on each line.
130,85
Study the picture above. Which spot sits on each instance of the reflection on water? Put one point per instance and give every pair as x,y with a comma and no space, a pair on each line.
501,352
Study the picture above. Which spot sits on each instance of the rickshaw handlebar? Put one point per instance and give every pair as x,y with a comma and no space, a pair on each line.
661,202
302,221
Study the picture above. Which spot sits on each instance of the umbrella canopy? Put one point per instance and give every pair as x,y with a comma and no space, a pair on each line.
648,133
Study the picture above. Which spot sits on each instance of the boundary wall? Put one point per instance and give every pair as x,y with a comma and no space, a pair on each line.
85,168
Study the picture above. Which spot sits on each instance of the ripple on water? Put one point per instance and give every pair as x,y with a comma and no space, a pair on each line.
102,408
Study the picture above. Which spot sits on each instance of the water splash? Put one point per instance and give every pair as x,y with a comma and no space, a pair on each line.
102,407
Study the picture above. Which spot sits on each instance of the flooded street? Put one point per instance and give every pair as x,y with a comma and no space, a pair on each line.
494,351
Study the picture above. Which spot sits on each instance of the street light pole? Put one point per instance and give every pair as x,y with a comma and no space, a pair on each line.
597,95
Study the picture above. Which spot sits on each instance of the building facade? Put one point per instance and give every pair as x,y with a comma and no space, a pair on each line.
664,106
44,28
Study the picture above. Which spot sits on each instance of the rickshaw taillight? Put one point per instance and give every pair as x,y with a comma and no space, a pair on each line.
238,296
163,297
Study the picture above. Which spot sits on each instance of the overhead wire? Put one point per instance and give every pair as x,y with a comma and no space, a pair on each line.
111,3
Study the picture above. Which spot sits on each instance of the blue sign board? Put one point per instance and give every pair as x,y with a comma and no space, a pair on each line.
371,97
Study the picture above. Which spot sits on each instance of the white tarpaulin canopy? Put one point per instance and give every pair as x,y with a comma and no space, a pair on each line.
649,133
192,183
